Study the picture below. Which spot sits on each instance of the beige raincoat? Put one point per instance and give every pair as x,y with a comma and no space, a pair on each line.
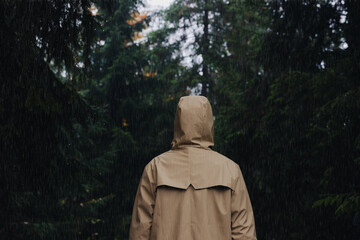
192,192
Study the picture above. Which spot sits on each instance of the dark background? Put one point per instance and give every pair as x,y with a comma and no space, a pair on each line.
86,102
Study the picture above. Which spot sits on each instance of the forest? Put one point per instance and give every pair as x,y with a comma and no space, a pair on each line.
87,99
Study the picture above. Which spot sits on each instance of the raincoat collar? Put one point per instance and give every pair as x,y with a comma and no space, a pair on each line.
194,123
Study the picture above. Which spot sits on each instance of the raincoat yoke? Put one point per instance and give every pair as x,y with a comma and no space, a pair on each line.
192,192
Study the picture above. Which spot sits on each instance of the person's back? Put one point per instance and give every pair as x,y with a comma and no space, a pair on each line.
192,192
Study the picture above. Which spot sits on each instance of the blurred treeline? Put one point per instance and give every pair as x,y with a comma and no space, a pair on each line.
86,101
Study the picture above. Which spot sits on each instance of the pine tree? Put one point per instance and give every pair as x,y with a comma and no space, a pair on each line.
47,172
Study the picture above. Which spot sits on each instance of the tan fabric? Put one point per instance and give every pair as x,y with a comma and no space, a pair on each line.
192,192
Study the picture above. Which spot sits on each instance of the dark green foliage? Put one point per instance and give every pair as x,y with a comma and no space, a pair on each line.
294,119
50,164
85,103
139,87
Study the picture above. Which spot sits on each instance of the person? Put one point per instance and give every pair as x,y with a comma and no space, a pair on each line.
192,192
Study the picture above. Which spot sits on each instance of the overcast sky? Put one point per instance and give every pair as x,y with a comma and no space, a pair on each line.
158,3
151,4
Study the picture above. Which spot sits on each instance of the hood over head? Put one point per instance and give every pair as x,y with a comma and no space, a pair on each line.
194,123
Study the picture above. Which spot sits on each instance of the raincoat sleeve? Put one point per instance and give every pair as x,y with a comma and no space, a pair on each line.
142,214
242,217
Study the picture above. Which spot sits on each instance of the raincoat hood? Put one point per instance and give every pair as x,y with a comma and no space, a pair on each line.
194,123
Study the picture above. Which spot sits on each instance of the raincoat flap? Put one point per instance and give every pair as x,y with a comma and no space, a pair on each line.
198,167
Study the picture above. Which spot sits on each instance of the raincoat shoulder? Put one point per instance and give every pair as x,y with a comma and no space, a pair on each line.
201,168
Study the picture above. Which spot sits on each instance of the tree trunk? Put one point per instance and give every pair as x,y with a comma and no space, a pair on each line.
205,46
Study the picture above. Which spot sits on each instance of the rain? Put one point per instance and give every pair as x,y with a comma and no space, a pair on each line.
89,91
